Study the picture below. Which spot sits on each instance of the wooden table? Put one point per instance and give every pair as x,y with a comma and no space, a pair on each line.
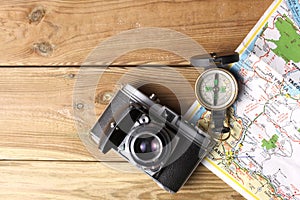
42,156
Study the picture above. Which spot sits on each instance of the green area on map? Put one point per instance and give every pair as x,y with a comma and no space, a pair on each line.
271,144
288,45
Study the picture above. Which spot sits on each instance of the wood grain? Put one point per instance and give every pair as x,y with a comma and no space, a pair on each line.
93,180
37,127
41,154
36,108
65,32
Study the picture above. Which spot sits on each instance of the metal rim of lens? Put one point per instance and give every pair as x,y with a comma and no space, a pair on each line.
197,89
162,136
138,136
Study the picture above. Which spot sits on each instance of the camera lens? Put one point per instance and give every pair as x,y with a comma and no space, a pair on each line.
150,146
147,147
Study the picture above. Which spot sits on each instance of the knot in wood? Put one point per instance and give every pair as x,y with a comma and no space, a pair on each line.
104,97
43,48
71,75
36,15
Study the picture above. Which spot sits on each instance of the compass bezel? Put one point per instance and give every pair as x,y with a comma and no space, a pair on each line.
200,98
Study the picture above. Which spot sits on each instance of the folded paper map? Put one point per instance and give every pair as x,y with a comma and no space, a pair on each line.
261,158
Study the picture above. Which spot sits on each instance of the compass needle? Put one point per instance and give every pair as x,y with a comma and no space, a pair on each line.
216,89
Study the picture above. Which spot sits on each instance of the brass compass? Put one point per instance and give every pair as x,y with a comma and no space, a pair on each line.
216,88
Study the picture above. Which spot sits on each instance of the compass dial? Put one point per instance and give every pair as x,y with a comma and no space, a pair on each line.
216,89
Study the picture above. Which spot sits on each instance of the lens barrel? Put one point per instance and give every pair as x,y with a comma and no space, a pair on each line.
147,147
150,147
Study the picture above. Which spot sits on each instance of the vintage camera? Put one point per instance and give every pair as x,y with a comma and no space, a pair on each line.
151,137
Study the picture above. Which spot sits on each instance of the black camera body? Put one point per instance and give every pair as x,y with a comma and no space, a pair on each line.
152,137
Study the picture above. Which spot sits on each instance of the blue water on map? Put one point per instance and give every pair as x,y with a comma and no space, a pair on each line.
197,115
294,6
291,89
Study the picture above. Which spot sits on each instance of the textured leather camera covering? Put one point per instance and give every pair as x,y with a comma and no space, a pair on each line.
181,169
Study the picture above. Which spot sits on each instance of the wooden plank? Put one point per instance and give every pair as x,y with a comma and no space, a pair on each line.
36,114
40,144
36,109
65,32
37,121
92,180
